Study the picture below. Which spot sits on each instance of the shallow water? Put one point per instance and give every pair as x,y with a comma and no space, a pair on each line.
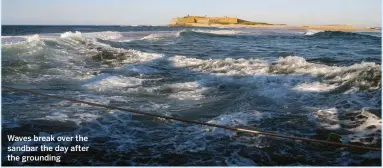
300,83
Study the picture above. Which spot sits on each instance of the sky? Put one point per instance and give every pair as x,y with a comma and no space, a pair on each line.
160,12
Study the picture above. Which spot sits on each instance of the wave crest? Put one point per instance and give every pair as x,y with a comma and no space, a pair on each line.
160,36
218,32
334,34
312,32
363,76
35,37
75,35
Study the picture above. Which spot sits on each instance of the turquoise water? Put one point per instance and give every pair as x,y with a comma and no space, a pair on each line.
293,82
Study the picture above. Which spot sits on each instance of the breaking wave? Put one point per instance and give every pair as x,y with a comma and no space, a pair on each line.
217,32
161,35
210,32
362,76
312,32
290,95
76,35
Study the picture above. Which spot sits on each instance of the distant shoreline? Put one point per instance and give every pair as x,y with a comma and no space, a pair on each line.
344,28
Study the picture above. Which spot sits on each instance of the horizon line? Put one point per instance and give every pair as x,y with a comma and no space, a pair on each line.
167,25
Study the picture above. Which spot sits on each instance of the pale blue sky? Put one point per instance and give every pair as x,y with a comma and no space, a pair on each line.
159,12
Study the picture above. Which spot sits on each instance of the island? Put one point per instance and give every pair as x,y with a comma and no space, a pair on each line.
234,22
230,22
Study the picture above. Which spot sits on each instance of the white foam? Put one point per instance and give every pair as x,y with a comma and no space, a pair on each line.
363,124
161,35
105,35
138,56
218,32
16,40
33,38
28,45
75,35
314,87
79,113
105,82
327,118
10,40
312,32
187,91
357,73
290,78
152,37
298,65
227,66
368,128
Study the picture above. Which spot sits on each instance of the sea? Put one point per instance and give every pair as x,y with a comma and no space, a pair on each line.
322,85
